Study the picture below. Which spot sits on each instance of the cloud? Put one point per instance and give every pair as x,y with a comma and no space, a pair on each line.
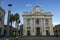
28,5
56,23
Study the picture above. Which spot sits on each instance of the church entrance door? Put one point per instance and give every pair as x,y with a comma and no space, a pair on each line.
28,32
47,33
38,31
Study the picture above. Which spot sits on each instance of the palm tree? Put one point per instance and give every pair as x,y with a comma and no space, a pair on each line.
11,19
16,16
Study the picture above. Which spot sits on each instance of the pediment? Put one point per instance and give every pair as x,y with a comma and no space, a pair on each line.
38,13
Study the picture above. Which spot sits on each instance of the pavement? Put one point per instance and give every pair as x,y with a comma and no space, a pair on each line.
30,38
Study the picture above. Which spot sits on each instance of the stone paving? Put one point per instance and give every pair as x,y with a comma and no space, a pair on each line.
32,38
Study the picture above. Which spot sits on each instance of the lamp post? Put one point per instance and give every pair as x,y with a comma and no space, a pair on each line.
8,21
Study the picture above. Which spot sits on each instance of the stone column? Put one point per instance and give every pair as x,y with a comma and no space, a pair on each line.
40,25
32,27
51,27
44,29
24,27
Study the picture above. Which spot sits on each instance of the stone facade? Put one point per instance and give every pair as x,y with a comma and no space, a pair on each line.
37,22
57,30
2,14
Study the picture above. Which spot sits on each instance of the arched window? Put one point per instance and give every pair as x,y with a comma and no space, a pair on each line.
37,21
46,21
28,22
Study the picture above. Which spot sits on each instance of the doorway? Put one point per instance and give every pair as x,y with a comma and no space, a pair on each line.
28,32
47,33
38,31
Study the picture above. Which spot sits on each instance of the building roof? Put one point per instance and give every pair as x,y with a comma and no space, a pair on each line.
37,9
2,9
57,25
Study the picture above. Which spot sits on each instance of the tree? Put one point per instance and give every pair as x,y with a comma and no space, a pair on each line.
11,19
16,16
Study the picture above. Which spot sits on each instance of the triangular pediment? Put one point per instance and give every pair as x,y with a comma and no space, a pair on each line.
38,13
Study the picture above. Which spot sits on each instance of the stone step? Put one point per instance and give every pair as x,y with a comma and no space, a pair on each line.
32,38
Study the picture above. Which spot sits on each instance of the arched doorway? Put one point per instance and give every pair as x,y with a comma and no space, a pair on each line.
38,31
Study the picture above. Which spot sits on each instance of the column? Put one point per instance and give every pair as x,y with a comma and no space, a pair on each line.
24,27
44,29
51,27
34,27
40,25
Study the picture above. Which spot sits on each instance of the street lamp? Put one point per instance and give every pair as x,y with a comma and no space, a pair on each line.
8,21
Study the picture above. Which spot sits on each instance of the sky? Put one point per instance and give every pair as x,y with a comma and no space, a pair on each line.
19,6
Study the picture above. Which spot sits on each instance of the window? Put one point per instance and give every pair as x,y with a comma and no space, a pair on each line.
47,28
37,21
46,21
28,22
28,27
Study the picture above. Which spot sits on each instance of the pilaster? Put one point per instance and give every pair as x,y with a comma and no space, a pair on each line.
24,27
44,28
51,27
32,27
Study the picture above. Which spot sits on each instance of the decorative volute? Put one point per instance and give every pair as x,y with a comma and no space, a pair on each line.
33,10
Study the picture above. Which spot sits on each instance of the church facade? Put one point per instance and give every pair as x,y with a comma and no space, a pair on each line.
37,22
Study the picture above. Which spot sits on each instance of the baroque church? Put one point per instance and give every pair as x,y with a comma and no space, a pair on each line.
37,23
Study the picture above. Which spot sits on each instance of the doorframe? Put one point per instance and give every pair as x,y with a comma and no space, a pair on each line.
38,31
28,33
47,33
